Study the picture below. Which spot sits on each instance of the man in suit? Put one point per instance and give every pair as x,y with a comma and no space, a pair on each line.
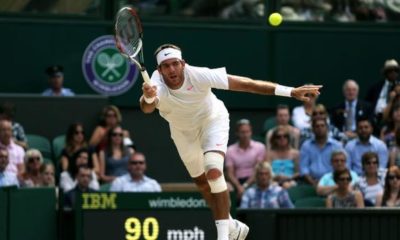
378,94
345,115
83,177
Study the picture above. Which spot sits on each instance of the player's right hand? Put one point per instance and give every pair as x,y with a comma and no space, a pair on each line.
149,91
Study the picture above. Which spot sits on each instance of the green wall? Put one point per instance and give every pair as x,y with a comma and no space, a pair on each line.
292,54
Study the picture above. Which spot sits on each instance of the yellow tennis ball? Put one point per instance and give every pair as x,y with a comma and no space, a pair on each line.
275,19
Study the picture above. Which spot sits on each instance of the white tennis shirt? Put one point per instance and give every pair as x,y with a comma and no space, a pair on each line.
193,103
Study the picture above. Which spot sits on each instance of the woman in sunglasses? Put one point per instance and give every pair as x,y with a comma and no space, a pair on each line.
391,193
114,158
343,196
33,161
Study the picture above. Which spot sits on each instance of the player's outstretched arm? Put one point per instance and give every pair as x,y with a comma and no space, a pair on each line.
245,84
149,99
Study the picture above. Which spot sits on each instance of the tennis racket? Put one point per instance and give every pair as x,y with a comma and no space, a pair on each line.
128,38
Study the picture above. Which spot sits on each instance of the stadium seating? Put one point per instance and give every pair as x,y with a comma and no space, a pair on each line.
40,143
310,202
58,145
300,192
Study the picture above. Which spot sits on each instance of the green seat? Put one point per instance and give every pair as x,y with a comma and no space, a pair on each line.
301,191
105,187
40,143
268,124
58,145
311,202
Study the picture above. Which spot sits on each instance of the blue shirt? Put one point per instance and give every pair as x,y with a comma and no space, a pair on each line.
65,92
273,197
355,149
327,179
8,179
125,183
316,161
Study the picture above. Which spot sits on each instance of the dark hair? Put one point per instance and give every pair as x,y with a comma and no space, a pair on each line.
368,156
8,109
82,166
164,46
364,118
282,106
109,149
69,138
386,190
72,167
338,173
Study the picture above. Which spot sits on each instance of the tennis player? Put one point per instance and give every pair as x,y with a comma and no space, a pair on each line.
199,123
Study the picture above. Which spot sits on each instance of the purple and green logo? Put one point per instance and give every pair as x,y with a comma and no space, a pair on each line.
105,69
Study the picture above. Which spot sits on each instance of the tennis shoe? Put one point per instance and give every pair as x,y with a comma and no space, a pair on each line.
240,232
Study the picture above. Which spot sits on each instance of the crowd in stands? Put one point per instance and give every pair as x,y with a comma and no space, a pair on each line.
348,155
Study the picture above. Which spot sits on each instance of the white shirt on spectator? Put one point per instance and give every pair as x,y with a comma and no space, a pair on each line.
68,183
125,183
8,179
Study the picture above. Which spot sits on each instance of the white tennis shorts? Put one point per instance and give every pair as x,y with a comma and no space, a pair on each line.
212,135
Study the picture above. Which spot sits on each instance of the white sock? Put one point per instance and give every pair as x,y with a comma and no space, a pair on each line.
231,224
222,229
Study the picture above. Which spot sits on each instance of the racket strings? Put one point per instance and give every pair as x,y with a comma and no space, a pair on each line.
128,33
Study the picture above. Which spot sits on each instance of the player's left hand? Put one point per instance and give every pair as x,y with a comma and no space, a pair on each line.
306,92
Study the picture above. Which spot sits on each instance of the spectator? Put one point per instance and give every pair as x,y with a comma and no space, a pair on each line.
282,119
33,161
114,158
327,184
67,180
367,10
379,93
56,81
83,177
343,196
242,156
320,112
135,180
265,193
111,117
7,112
6,178
315,153
388,131
301,114
365,142
244,9
47,175
394,155
75,141
283,157
391,192
345,115
15,152
372,182
394,100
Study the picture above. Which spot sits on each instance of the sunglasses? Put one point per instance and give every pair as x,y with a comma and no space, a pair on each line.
371,163
338,160
392,177
136,162
318,113
111,115
282,136
342,179
32,159
117,134
79,132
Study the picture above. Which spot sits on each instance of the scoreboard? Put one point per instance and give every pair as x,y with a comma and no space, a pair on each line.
143,216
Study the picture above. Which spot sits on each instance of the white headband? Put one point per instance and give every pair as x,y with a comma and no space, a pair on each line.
168,53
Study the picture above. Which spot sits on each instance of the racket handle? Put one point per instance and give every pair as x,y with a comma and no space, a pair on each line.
145,76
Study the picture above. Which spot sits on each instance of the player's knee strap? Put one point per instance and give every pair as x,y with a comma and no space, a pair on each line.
213,160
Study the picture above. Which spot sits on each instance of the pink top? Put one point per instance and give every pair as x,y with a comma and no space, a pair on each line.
244,160
16,156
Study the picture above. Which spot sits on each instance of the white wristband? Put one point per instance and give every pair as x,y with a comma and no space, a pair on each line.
281,90
149,100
